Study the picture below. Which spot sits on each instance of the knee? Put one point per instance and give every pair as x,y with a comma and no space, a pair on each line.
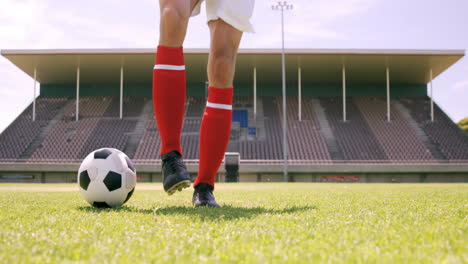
174,17
222,68
222,59
224,44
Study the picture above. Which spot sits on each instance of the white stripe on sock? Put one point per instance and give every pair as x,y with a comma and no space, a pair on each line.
219,106
169,67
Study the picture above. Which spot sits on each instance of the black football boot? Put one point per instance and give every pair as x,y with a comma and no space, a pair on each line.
175,175
203,196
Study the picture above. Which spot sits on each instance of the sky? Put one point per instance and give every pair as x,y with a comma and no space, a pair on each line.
315,24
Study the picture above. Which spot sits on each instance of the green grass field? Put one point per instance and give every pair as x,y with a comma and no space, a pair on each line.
259,223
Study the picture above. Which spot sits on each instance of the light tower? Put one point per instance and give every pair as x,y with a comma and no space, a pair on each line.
282,6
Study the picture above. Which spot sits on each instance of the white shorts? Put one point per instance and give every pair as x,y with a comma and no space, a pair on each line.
236,13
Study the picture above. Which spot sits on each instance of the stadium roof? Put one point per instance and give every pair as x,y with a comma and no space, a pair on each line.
58,66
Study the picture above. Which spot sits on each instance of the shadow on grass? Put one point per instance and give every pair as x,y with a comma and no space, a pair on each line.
226,212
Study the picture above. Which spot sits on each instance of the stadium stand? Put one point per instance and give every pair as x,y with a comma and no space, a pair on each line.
66,140
148,148
46,108
132,106
110,134
396,137
17,137
321,136
190,145
241,116
305,139
195,107
90,106
269,147
191,126
242,102
354,137
320,139
365,147
444,134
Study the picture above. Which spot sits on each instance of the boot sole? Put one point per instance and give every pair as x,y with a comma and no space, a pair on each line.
179,187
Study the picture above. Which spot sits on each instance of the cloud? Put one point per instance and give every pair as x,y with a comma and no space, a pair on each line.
319,19
308,22
16,18
83,24
110,23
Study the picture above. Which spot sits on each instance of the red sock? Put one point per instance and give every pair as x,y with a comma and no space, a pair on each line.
169,96
214,133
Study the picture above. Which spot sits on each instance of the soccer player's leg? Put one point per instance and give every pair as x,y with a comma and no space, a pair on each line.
216,123
169,90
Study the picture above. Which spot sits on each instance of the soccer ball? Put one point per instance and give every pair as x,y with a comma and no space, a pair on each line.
107,178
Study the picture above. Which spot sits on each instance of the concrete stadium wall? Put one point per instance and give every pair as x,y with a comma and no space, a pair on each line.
54,173
71,177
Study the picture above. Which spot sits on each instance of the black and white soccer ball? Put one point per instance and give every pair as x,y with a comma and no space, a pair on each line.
107,178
